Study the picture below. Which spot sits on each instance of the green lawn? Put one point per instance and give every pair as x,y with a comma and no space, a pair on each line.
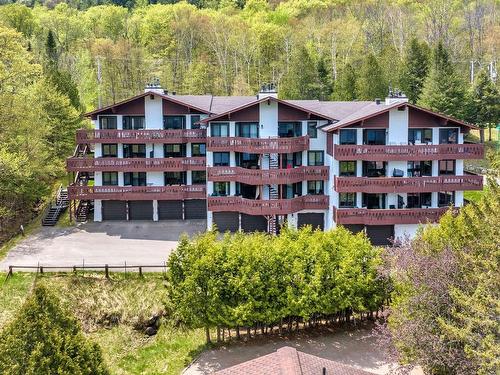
110,312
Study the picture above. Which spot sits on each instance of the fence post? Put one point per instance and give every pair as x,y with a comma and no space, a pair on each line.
140,271
74,269
41,269
11,271
106,271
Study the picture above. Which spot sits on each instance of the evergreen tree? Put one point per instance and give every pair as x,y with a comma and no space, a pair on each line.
415,69
345,86
302,79
485,103
44,339
443,90
325,80
371,82
51,49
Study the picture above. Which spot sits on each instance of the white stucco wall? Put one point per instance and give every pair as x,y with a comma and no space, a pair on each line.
153,109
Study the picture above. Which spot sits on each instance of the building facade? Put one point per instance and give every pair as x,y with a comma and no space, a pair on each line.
257,162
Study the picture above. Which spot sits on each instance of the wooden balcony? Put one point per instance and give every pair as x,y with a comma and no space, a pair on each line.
137,192
268,207
141,136
258,145
409,152
135,164
407,184
267,176
388,216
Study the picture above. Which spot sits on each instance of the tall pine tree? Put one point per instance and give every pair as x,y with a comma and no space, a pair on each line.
302,79
443,90
345,85
371,82
485,103
415,69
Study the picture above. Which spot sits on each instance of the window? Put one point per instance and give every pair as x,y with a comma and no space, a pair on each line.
312,130
448,136
246,191
221,159
107,122
315,187
133,122
446,167
109,178
291,190
374,168
291,160
219,129
247,129
348,136
199,177
446,198
194,120
176,150
134,178
374,201
198,149
174,122
315,158
374,137
419,136
347,168
221,189
347,200
289,129
244,160
175,178
419,200
134,151
109,150
419,168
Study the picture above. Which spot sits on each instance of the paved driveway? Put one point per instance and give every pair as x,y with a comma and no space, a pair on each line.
113,243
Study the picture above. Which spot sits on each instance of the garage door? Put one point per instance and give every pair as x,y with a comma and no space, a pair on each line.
355,228
114,210
315,220
169,210
380,235
140,210
252,223
226,221
195,209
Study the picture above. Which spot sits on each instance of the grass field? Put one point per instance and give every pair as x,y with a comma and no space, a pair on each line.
111,312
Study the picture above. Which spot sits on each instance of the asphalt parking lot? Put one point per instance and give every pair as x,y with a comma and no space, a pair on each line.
113,243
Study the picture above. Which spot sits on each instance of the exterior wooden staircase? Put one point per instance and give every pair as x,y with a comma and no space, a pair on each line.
56,207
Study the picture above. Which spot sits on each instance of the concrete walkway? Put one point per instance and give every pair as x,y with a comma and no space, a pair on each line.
352,347
113,243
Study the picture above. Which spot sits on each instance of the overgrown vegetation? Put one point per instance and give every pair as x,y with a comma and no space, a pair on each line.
447,293
250,280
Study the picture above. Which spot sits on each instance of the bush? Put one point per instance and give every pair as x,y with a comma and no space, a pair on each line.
244,280
44,339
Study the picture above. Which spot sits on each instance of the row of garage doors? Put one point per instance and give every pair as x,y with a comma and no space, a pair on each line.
143,210
379,235
230,221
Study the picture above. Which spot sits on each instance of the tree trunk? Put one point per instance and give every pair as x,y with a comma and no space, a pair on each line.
489,133
238,332
218,334
481,134
207,334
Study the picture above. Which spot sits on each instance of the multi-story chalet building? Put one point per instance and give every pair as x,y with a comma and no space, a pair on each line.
254,162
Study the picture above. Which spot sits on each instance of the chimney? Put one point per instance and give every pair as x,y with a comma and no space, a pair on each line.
395,96
267,90
154,86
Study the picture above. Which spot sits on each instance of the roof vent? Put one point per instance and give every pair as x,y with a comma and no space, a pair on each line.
377,101
267,90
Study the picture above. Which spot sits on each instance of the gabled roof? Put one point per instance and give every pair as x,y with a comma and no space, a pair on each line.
289,361
270,98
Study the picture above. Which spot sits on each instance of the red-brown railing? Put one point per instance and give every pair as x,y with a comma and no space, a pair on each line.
137,192
267,176
388,216
268,207
136,164
142,136
407,184
258,145
409,152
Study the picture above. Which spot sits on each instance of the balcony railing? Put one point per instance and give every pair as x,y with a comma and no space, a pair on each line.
388,216
409,152
135,164
267,176
137,192
142,136
268,207
258,145
407,184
